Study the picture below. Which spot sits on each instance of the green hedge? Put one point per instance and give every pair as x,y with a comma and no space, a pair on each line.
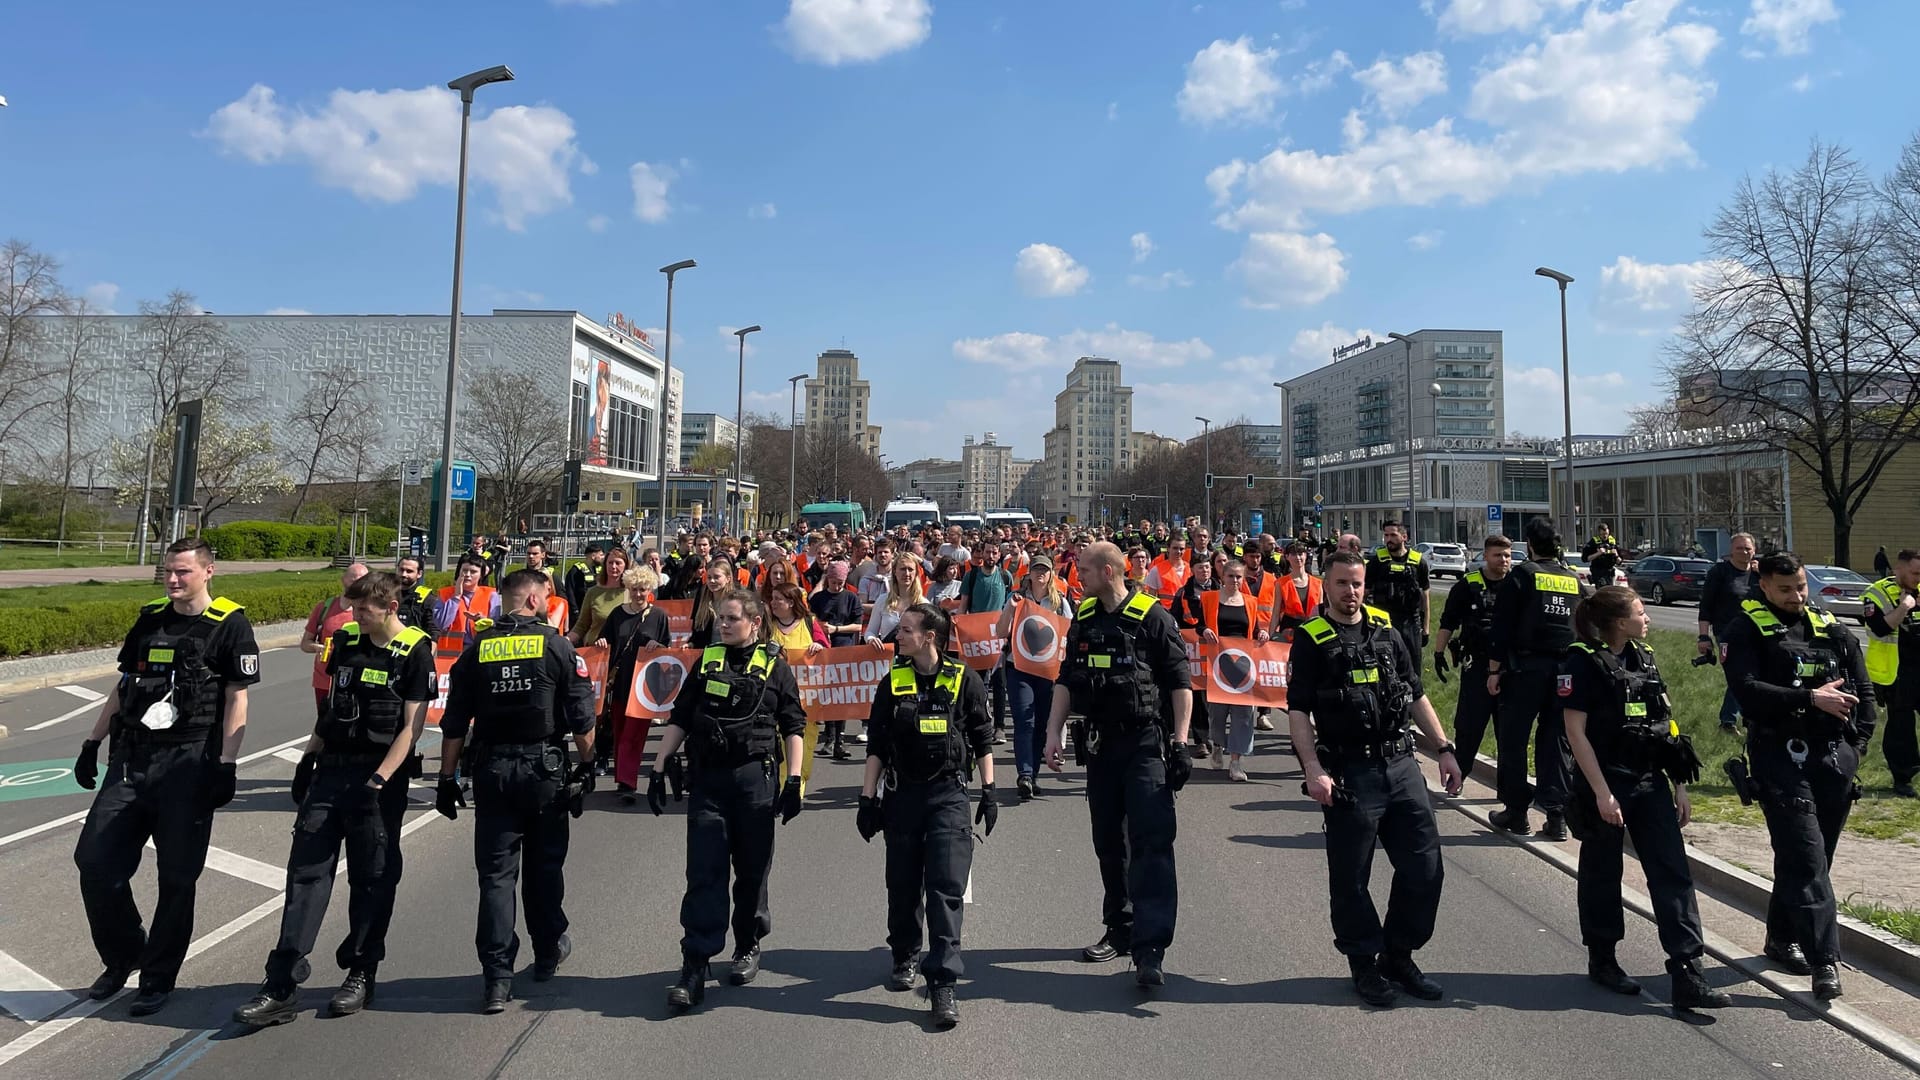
278,540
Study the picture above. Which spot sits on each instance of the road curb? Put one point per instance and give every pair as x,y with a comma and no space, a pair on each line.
94,663
1859,940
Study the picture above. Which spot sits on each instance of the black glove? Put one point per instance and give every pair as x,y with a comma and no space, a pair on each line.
448,797
1179,766
989,811
220,788
86,767
303,777
868,819
789,804
677,777
579,786
656,792
1440,666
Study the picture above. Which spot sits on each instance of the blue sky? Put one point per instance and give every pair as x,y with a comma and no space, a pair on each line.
967,194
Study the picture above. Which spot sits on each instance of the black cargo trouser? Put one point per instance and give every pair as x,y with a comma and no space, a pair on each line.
1646,808
1899,743
1806,807
929,853
730,816
158,792
1473,713
1384,802
519,808
1529,692
1133,834
341,810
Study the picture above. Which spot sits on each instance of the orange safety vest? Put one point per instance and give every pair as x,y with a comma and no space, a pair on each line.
453,636
1173,577
1264,598
557,613
1290,608
1210,610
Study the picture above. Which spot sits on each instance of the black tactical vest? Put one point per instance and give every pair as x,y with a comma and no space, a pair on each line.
735,726
1364,698
173,663
1546,617
925,731
1639,716
517,687
363,706
1107,671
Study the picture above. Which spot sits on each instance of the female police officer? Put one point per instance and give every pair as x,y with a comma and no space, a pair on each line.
929,721
738,715
1621,730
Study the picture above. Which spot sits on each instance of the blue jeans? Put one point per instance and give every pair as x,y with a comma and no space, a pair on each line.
1232,727
1032,698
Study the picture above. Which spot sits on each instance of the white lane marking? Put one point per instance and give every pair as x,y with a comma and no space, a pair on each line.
81,692
290,756
967,897
27,995
233,864
90,707
276,648
272,750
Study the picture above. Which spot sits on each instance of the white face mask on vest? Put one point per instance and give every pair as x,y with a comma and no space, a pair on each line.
160,715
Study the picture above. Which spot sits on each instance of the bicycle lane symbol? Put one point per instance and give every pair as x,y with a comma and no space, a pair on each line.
36,780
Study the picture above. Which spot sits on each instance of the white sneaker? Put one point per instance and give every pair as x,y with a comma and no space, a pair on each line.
1219,758
1263,723
860,738
1235,773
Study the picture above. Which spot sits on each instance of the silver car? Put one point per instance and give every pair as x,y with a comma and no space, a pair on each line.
1838,590
1443,559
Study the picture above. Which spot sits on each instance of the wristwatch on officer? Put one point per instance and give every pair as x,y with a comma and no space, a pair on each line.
1446,748
376,781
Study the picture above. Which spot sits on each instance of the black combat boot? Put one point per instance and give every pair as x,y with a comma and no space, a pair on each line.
1604,968
1401,971
946,1011
1691,990
1111,944
1789,956
1373,987
901,977
691,990
355,993
1826,981
498,993
746,966
273,1005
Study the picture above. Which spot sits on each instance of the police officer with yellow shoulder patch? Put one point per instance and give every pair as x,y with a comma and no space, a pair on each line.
416,599
521,689
739,718
1353,698
1532,631
930,727
1124,669
351,787
1803,690
1397,584
1466,637
1893,663
177,720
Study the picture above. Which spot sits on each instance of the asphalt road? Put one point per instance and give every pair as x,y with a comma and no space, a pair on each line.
1253,978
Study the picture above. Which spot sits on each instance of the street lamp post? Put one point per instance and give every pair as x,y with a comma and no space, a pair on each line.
793,444
739,421
1433,402
1408,342
1566,396
1206,450
466,85
666,388
1286,458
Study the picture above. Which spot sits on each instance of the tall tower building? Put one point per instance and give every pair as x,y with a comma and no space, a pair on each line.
986,470
1091,437
839,398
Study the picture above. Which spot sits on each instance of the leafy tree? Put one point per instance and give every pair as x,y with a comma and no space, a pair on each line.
515,433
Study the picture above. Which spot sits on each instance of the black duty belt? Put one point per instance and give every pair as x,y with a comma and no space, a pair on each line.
349,760
1388,750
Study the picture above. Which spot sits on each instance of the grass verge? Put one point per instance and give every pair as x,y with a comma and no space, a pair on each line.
1898,921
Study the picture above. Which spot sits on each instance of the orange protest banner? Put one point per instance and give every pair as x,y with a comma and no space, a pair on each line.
1039,640
438,706
1243,672
658,674
980,648
679,619
839,684
595,657
1196,660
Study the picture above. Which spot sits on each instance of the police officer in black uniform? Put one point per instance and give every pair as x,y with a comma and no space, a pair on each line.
584,574
930,727
177,720
416,599
1532,630
1466,637
1801,680
522,689
351,788
1125,668
1397,584
1353,694
1633,768
740,721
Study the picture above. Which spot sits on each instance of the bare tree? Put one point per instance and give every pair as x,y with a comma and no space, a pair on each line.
828,465
185,354
515,433
80,338
1174,480
329,424
29,291
1807,331
237,463
1654,419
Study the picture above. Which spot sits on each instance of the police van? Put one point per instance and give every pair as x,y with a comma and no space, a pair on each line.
913,513
964,520
1011,516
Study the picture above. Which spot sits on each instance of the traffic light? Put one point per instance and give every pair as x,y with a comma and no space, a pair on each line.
570,486
1209,479
1249,479
1346,524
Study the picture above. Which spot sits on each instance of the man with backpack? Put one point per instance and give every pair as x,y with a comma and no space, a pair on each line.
985,587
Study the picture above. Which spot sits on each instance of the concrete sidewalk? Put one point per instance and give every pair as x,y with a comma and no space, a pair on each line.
76,574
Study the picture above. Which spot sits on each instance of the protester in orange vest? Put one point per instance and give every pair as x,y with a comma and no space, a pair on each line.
1169,572
458,606
1231,611
1300,593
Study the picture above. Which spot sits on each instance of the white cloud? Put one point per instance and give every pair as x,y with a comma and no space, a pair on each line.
1802,84
1113,111
1397,87
1022,351
1045,270
733,343
650,183
1172,279
1230,81
1600,402
1650,298
1463,17
101,296
1319,74
1142,246
835,32
1614,93
1426,239
598,223
1288,269
288,311
1787,24
763,212
1315,347
382,145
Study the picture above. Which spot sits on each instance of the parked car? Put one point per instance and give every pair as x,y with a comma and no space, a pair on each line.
1838,590
1579,567
1443,559
1664,579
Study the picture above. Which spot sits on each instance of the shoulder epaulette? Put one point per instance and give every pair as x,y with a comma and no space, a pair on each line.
1086,607
1318,629
155,605
1138,605
221,608
1378,617
409,638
